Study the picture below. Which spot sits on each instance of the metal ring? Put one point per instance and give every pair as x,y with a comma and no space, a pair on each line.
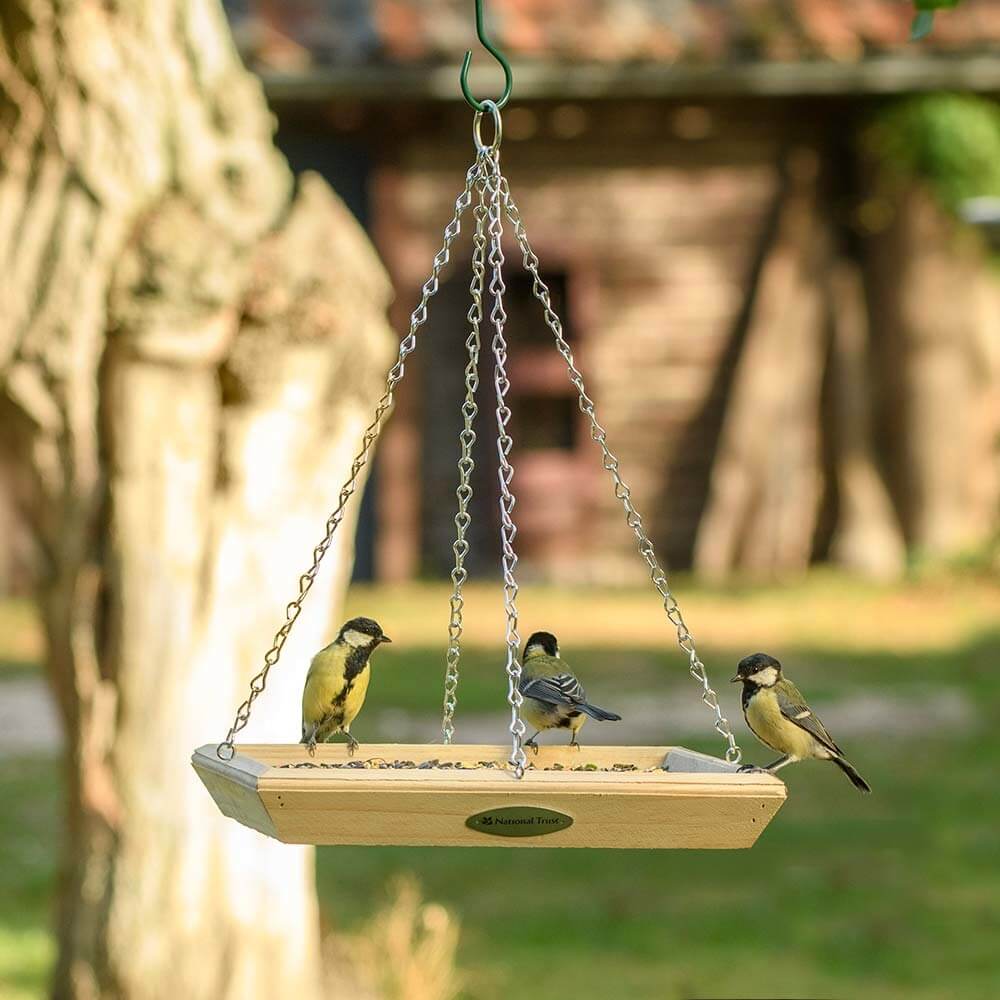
225,751
477,125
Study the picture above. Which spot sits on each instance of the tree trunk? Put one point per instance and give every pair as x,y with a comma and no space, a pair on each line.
867,538
935,299
765,485
189,347
17,556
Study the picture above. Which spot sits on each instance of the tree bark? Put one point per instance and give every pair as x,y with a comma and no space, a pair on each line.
867,538
189,347
765,484
17,555
935,299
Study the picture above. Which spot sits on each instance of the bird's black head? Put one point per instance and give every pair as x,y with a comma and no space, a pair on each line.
362,632
541,643
758,670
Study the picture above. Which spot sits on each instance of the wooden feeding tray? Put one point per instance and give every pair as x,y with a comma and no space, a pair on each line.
467,796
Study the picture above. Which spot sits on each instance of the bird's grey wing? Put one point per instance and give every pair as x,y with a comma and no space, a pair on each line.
794,708
561,689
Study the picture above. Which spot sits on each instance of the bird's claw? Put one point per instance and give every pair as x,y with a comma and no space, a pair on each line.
751,769
532,745
311,747
352,745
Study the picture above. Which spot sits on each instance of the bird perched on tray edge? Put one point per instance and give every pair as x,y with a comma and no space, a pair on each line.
337,682
553,697
780,718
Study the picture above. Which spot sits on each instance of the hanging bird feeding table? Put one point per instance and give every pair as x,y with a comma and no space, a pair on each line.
467,796
451,794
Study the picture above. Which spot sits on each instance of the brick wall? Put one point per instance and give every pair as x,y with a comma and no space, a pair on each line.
656,215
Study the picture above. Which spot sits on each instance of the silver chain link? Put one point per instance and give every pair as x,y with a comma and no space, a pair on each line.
622,491
226,750
466,466
492,182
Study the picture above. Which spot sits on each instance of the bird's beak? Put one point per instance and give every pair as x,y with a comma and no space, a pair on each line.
384,638
735,680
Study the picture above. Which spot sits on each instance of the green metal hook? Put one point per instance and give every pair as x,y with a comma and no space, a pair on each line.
493,51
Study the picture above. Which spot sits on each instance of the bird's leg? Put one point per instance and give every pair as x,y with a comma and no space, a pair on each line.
533,742
572,740
311,745
770,769
779,763
352,744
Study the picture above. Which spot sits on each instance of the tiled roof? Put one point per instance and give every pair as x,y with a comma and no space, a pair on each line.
301,35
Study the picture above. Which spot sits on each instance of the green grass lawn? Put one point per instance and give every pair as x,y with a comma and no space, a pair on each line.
20,640
892,896
29,839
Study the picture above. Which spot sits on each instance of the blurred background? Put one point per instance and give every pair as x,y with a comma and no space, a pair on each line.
771,229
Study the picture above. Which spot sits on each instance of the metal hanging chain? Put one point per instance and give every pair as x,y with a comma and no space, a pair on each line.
226,750
492,182
466,466
622,491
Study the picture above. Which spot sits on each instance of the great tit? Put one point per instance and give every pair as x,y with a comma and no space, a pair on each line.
779,717
553,697
337,683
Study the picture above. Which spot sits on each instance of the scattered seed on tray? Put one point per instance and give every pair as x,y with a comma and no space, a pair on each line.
381,764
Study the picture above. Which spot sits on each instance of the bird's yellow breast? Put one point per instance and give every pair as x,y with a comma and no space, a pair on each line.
356,696
327,693
772,728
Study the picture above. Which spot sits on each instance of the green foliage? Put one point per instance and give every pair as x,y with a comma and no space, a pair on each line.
951,142
924,21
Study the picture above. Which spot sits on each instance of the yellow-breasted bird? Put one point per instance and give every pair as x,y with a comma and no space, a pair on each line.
553,697
779,717
337,682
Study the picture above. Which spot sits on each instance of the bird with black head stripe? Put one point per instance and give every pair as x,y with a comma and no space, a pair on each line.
553,697
780,718
337,683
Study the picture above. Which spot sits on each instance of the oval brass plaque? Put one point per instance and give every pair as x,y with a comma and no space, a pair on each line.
519,821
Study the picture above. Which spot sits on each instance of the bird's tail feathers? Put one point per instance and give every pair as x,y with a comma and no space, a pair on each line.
600,714
848,768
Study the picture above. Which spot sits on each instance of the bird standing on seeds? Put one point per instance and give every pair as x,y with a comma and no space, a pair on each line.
337,683
779,717
553,697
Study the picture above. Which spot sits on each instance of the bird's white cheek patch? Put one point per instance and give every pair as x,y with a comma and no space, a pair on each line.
765,677
354,638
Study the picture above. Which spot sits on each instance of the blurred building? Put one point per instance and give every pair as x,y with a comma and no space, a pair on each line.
656,150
